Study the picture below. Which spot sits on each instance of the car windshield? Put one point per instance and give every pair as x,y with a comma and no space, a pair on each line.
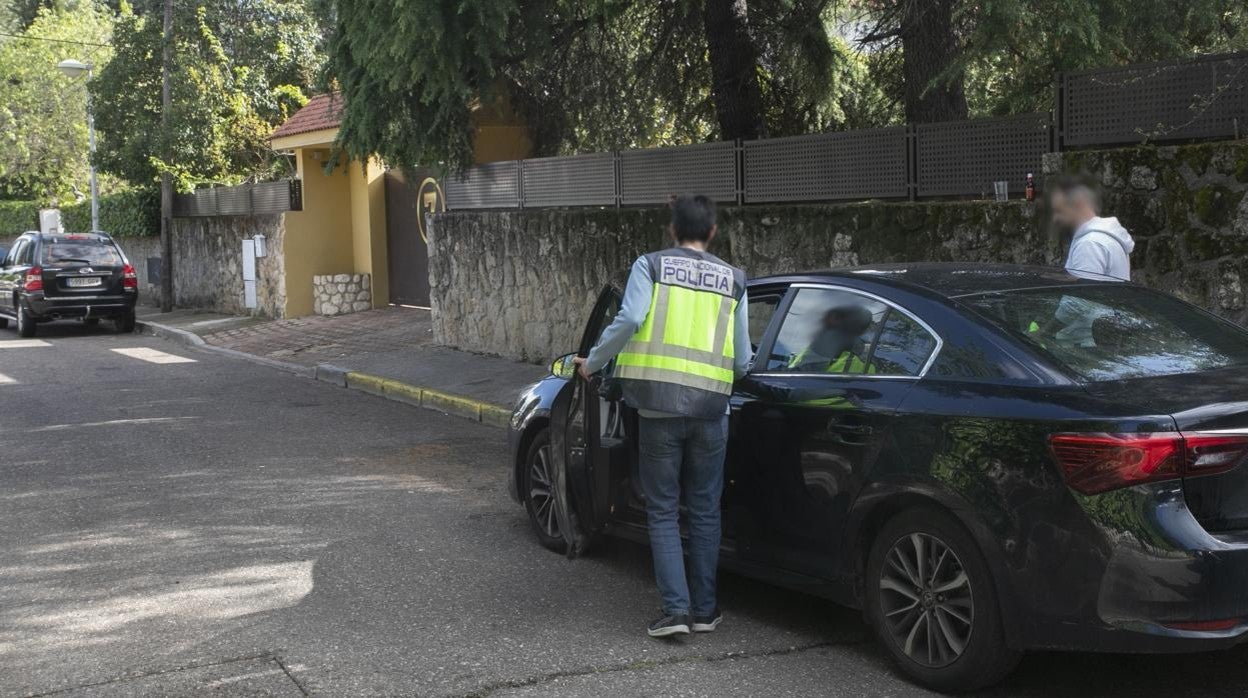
68,250
1103,333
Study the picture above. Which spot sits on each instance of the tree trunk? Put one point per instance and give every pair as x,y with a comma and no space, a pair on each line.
734,69
929,47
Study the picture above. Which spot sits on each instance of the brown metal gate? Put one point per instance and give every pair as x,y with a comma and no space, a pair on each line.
408,199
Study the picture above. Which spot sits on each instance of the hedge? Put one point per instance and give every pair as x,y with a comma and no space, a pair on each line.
131,213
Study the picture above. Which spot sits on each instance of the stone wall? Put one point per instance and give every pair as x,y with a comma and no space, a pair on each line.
208,264
339,294
1186,209
520,284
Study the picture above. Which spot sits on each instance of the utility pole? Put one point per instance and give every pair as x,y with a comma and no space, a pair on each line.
166,179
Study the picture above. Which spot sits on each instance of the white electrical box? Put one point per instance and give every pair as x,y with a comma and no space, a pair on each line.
249,274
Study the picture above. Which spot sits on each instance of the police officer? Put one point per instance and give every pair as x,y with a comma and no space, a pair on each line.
680,339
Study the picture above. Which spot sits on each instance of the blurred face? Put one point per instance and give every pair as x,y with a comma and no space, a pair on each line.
1069,212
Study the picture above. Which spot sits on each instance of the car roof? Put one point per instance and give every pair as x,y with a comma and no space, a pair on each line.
948,279
53,237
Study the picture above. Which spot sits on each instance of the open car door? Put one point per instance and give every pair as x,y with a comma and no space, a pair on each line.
585,434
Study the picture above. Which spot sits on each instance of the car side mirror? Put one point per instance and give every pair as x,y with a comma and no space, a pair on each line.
563,367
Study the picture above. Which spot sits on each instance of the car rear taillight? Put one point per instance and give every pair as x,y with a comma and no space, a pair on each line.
1096,463
129,279
34,280
1205,626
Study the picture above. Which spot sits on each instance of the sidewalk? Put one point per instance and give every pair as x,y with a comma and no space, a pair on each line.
389,352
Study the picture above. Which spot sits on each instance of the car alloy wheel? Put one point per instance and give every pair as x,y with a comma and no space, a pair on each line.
25,323
926,600
536,486
540,491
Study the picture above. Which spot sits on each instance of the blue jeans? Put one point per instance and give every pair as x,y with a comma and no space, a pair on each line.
684,457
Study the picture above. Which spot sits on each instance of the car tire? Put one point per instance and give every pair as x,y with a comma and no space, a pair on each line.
25,322
944,628
125,323
535,490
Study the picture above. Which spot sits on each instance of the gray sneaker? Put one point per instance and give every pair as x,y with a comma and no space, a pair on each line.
669,625
708,623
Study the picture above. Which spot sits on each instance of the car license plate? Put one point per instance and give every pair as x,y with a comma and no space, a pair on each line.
84,282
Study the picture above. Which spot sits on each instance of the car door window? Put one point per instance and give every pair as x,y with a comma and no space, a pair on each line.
830,331
761,309
903,348
18,255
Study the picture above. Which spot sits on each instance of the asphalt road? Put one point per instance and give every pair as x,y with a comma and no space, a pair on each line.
177,522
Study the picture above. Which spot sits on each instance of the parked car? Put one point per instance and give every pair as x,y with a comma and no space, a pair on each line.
1019,460
83,276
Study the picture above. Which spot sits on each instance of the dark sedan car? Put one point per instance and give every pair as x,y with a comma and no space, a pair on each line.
1017,459
83,276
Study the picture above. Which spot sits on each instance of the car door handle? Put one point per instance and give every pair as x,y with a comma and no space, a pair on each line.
839,427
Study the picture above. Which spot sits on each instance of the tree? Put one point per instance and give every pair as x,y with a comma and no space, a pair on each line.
43,114
1014,48
977,57
18,15
241,68
583,75
734,69
931,47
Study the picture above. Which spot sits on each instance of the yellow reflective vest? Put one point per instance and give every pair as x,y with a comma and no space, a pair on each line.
681,358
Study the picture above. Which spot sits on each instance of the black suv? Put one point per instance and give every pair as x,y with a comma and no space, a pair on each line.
68,275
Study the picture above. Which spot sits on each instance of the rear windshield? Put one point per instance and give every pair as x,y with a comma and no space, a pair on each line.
80,251
1102,333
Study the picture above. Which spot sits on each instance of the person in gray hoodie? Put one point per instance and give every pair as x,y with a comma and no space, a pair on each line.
1098,246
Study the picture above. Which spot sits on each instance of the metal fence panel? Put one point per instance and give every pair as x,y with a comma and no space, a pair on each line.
493,185
233,201
865,164
242,200
966,157
1201,98
652,176
187,205
276,197
577,180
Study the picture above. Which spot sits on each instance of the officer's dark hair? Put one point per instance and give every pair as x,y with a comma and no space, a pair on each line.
1074,187
693,218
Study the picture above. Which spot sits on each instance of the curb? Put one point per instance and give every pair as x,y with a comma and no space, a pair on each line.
191,339
477,410
418,396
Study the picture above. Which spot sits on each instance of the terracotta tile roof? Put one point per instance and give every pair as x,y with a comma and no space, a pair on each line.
320,113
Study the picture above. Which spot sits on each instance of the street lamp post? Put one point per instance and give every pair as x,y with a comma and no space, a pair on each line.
76,69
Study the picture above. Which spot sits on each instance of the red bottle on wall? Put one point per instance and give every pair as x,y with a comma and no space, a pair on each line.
1031,187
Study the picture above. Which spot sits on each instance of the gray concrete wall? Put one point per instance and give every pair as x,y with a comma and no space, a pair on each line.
520,284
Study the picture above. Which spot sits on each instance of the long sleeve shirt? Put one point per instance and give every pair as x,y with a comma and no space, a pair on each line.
633,311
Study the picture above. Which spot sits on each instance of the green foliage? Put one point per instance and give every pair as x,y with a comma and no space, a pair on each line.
1017,46
410,74
16,217
1010,50
127,213
241,68
581,75
43,114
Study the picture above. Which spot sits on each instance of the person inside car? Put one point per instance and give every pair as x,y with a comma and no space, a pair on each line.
837,346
